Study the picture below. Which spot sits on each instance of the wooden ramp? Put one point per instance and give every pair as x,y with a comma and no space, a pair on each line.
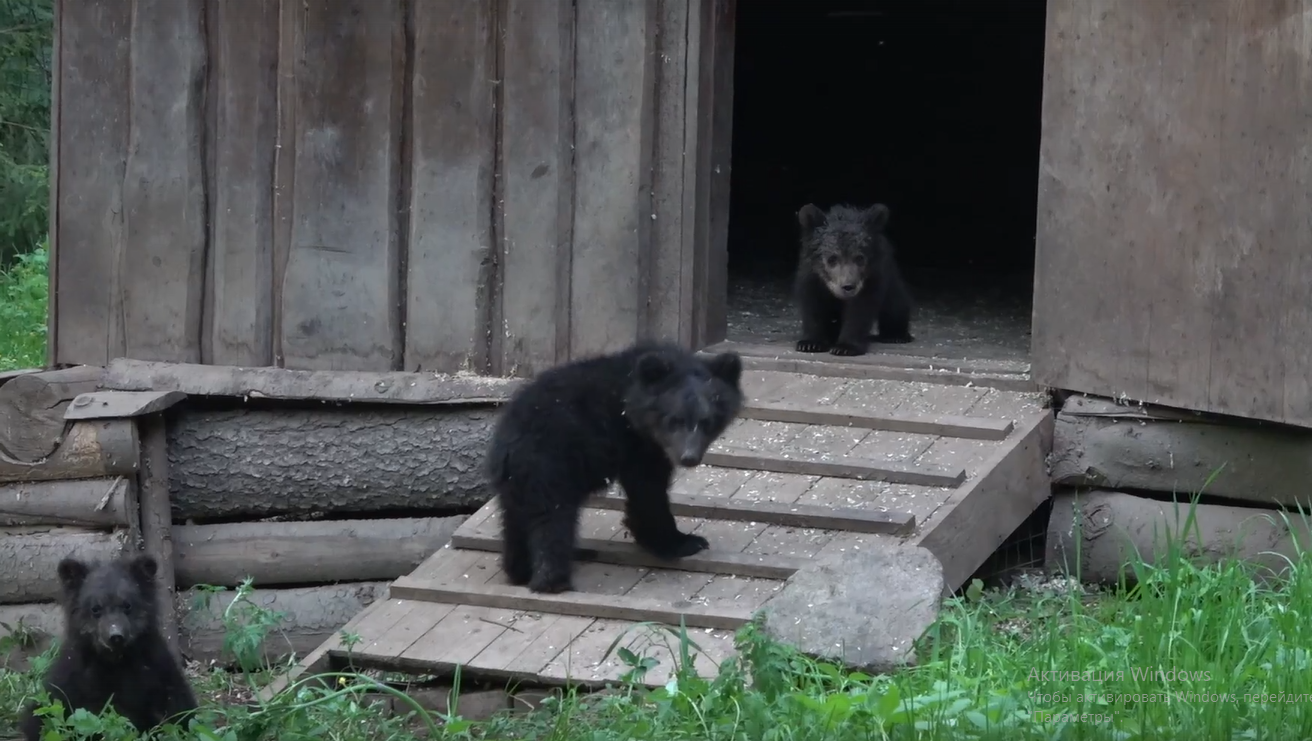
816,464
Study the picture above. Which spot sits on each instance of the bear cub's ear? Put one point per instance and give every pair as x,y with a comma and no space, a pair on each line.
143,568
653,368
877,218
72,572
727,367
811,218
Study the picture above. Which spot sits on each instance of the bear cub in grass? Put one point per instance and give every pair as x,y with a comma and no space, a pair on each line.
847,278
630,416
113,652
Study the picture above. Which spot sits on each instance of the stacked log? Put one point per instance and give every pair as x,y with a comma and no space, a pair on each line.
1139,482
65,489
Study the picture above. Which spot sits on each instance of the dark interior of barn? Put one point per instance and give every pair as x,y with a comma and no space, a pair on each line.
930,107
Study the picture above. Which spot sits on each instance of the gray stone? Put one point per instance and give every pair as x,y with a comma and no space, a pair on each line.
862,608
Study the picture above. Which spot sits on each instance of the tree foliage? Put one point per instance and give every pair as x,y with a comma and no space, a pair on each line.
26,33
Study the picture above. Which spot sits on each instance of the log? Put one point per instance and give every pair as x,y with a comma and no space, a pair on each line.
32,410
1098,444
280,553
260,463
89,450
1114,526
30,628
29,557
280,383
311,616
84,502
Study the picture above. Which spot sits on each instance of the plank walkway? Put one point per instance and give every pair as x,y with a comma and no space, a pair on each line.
816,464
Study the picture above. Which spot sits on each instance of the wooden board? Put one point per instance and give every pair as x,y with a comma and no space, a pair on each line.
1184,281
243,141
949,425
120,404
791,515
848,467
614,95
535,219
453,161
165,210
278,383
341,298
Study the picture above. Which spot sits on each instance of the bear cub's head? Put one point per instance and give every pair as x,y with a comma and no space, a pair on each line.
109,605
845,246
683,403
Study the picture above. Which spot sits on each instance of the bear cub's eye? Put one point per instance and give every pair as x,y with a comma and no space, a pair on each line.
831,260
127,607
95,611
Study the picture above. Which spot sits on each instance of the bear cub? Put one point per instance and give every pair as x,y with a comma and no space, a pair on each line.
847,278
631,416
113,651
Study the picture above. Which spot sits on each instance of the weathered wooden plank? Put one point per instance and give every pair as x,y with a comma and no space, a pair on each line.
850,467
451,249
580,604
629,554
669,278
714,120
119,404
32,410
157,519
530,331
278,383
776,513
979,516
274,553
89,450
52,172
291,39
341,304
870,367
318,660
614,96
82,503
93,43
1266,465
1192,301
165,202
243,140
944,424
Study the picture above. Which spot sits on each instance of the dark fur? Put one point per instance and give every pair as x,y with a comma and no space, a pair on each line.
847,278
631,417
113,651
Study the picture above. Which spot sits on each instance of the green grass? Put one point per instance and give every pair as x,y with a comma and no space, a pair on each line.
24,293
1133,662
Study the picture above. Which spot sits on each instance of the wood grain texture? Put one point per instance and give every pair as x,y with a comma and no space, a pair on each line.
613,129
164,183
119,404
531,328
94,42
1172,265
340,295
452,164
84,503
669,275
88,450
243,141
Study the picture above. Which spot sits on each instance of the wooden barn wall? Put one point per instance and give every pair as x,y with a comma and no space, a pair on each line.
1173,260
492,185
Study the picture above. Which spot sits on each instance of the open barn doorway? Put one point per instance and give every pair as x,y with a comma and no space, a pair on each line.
931,107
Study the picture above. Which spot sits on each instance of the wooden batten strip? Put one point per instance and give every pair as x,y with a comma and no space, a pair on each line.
629,554
974,428
848,468
845,519
577,604
120,404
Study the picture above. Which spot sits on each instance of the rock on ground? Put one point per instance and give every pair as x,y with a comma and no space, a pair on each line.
861,608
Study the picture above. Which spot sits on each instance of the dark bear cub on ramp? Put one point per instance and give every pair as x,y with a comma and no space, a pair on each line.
631,417
847,278
113,652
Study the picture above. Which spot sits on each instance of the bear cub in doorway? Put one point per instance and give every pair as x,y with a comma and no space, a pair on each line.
113,652
630,416
847,278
